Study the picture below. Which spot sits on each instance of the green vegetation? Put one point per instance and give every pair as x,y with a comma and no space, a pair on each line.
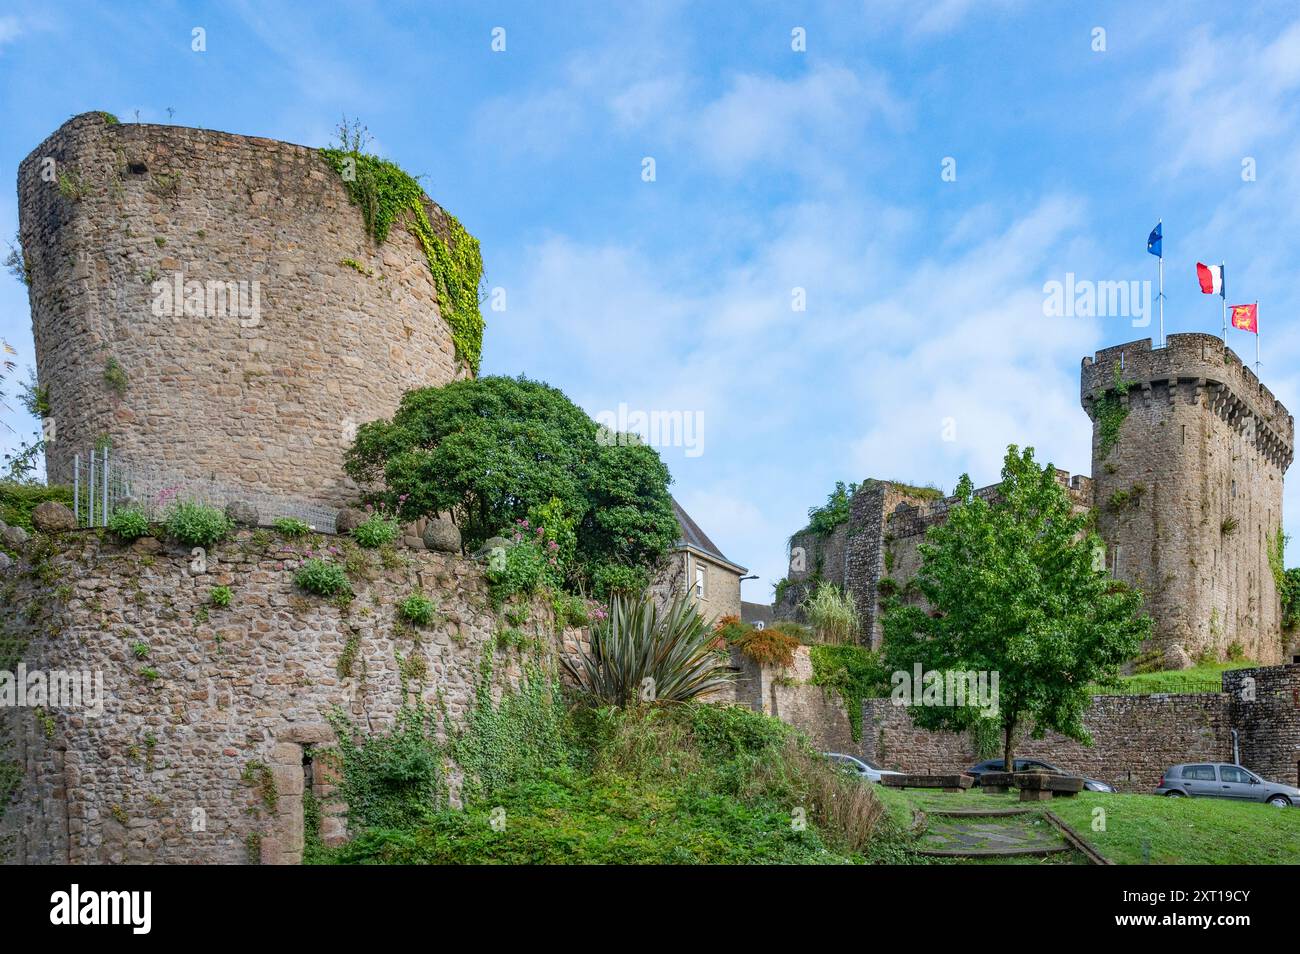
387,196
832,614
418,609
375,531
1110,412
115,377
128,523
524,567
497,452
220,596
676,784
19,498
1014,591
291,527
323,578
1130,499
824,519
641,654
196,525
853,672
1205,677
109,119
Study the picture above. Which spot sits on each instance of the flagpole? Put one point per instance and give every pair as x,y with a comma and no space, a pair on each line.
1162,295
1257,337
1223,293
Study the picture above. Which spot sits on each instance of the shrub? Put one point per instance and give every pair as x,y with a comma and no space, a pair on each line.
128,523
855,673
523,568
292,527
608,579
18,498
376,531
417,609
392,780
220,596
570,609
196,525
639,653
322,578
832,614
496,450
769,646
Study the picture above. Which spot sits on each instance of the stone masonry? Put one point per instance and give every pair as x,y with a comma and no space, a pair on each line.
115,215
1188,501
223,704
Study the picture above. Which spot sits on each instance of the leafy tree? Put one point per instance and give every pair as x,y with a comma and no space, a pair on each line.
824,519
496,450
1015,590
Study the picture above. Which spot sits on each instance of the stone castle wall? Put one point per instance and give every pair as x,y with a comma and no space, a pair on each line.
236,688
267,402
1135,738
1189,498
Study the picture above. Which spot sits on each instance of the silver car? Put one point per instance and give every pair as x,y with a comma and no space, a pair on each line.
859,767
1224,780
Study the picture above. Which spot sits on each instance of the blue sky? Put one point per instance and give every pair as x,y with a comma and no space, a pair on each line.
775,169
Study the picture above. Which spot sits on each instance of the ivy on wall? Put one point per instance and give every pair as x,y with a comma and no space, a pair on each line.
387,194
1110,412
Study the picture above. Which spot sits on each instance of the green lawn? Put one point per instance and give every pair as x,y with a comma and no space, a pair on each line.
1203,678
1149,829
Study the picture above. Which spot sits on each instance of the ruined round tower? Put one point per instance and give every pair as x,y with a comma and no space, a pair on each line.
213,306
1188,454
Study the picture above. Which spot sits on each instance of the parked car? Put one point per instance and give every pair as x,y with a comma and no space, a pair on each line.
1225,780
860,767
1035,765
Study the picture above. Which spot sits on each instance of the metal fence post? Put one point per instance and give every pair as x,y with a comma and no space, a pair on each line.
103,511
76,487
90,496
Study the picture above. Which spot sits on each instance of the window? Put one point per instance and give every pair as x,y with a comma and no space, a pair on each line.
1199,773
701,581
1230,773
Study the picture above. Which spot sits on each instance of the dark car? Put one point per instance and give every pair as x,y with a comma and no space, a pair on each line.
1225,780
1035,765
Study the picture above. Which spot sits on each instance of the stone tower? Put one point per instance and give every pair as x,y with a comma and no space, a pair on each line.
282,325
1188,454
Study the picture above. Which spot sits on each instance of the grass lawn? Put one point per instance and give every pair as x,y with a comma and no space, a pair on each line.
1203,678
1149,829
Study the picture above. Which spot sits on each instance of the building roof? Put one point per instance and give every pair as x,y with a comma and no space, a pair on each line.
756,613
693,538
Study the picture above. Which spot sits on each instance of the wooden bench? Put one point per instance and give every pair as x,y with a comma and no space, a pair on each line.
949,783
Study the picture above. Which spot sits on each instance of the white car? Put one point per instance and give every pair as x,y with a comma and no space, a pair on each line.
859,767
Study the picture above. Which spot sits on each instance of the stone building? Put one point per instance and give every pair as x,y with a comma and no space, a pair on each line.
696,566
213,305
1189,451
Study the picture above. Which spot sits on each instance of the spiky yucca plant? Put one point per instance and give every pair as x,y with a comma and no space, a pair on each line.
639,653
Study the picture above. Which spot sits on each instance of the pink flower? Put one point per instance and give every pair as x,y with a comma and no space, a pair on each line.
552,544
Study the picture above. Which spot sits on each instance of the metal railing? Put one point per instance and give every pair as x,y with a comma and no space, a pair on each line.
103,482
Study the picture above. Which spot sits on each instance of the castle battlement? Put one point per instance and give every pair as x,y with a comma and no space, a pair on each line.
1197,369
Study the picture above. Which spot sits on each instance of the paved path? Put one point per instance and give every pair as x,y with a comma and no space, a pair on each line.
970,835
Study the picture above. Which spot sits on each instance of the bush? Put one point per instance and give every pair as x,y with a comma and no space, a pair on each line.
322,578
196,525
570,609
220,596
128,523
292,527
19,498
376,531
495,450
524,567
855,672
391,780
417,609
832,614
767,647
639,653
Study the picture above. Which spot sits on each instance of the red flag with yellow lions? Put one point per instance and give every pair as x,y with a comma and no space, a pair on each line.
1246,318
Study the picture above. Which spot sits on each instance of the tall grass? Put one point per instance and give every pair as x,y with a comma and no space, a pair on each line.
832,614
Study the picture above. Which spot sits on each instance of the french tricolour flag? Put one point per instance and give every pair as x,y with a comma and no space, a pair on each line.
1211,277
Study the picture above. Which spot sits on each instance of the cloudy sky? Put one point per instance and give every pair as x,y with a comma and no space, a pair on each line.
918,170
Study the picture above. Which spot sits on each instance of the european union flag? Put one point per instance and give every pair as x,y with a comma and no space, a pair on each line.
1153,242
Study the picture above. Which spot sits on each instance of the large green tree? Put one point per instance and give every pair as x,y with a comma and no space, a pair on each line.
495,450
1015,587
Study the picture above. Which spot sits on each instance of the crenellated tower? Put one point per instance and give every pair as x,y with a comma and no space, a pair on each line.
1188,453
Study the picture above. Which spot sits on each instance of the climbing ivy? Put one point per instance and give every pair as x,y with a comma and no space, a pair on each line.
853,671
1110,412
387,194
